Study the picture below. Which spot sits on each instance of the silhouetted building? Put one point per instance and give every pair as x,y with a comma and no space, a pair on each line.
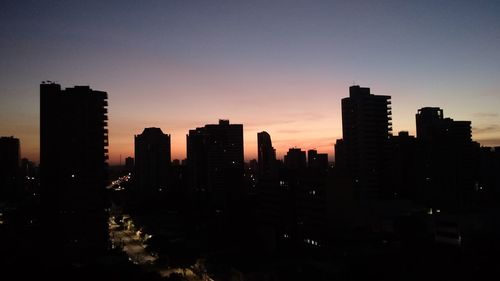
29,177
215,161
9,166
317,161
129,164
402,166
446,158
291,210
152,160
366,128
253,166
178,179
428,119
432,127
28,168
266,155
73,170
295,159
340,155
488,185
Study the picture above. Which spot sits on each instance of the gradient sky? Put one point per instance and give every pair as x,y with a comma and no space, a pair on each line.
278,66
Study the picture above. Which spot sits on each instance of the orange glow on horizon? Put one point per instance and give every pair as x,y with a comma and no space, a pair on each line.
124,145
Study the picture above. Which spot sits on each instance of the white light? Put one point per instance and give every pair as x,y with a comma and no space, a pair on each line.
72,175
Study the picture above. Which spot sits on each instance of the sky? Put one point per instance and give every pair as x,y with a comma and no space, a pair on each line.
276,66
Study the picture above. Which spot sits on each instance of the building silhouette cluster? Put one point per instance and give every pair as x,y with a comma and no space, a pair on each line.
413,193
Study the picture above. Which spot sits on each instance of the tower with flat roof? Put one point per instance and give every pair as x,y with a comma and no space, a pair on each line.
215,161
73,169
366,127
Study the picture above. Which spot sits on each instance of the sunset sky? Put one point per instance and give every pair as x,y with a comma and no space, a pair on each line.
278,66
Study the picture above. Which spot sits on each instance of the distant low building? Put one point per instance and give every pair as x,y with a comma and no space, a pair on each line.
9,165
295,159
129,164
152,160
266,155
317,161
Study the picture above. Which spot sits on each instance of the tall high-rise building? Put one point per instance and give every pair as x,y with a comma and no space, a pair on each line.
447,160
73,169
9,165
152,160
266,154
366,127
215,161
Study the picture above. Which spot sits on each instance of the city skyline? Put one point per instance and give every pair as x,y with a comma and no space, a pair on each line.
269,66
250,140
329,149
